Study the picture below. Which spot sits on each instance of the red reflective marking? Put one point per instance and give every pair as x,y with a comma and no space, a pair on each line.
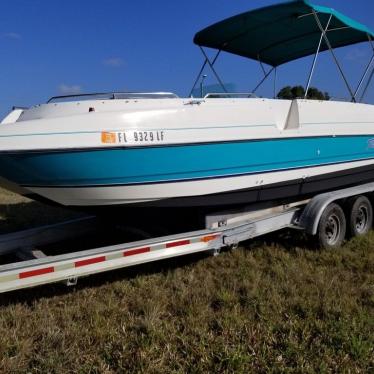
33,273
137,251
89,261
176,244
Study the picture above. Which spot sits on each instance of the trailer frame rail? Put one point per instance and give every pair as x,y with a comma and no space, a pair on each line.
224,229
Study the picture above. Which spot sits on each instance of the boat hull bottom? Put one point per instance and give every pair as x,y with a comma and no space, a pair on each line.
285,190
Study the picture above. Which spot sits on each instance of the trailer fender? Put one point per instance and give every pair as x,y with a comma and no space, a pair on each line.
311,215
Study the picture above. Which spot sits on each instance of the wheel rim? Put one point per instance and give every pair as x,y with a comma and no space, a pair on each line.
361,219
332,229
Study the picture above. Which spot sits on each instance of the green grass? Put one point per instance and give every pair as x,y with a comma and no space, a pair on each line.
274,305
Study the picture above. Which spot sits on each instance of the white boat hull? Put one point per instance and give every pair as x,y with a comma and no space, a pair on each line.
175,151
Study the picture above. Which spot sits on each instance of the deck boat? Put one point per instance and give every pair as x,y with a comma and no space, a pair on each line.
158,150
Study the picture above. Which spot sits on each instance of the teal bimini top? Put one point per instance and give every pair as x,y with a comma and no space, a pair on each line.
283,32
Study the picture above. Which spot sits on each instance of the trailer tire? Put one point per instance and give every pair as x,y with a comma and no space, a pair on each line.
360,216
332,227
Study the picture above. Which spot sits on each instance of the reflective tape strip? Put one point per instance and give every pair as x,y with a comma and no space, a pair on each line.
89,261
33,273
9,278
136,251
111,256
209,238
157,247
114,256
65,267
177,244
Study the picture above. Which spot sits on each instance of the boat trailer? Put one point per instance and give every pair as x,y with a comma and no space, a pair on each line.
321,215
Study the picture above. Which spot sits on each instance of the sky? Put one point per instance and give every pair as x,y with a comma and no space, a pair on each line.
57,47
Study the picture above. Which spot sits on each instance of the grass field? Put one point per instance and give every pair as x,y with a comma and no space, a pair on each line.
273,305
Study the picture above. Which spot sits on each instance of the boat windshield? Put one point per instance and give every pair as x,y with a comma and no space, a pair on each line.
114,96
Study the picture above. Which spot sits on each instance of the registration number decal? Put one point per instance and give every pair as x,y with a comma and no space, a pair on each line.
132,137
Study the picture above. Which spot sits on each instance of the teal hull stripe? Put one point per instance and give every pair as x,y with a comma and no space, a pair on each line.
166,164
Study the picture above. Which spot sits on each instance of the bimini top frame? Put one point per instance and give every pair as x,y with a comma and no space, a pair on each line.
285,32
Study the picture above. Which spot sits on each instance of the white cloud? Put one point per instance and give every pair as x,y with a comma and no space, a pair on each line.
11,35
114,62
65,89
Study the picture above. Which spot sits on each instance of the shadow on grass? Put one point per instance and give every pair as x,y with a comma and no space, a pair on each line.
290,240
26,215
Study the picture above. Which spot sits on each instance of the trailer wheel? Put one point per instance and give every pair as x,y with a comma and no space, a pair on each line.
360,216
332,227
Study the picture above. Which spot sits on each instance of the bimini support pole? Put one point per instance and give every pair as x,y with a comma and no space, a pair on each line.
275,82
364,76
327,41
315,59
213,70
202,69
262,66
366,70
263,79
367,86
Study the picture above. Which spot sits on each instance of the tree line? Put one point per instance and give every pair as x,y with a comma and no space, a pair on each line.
297,92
